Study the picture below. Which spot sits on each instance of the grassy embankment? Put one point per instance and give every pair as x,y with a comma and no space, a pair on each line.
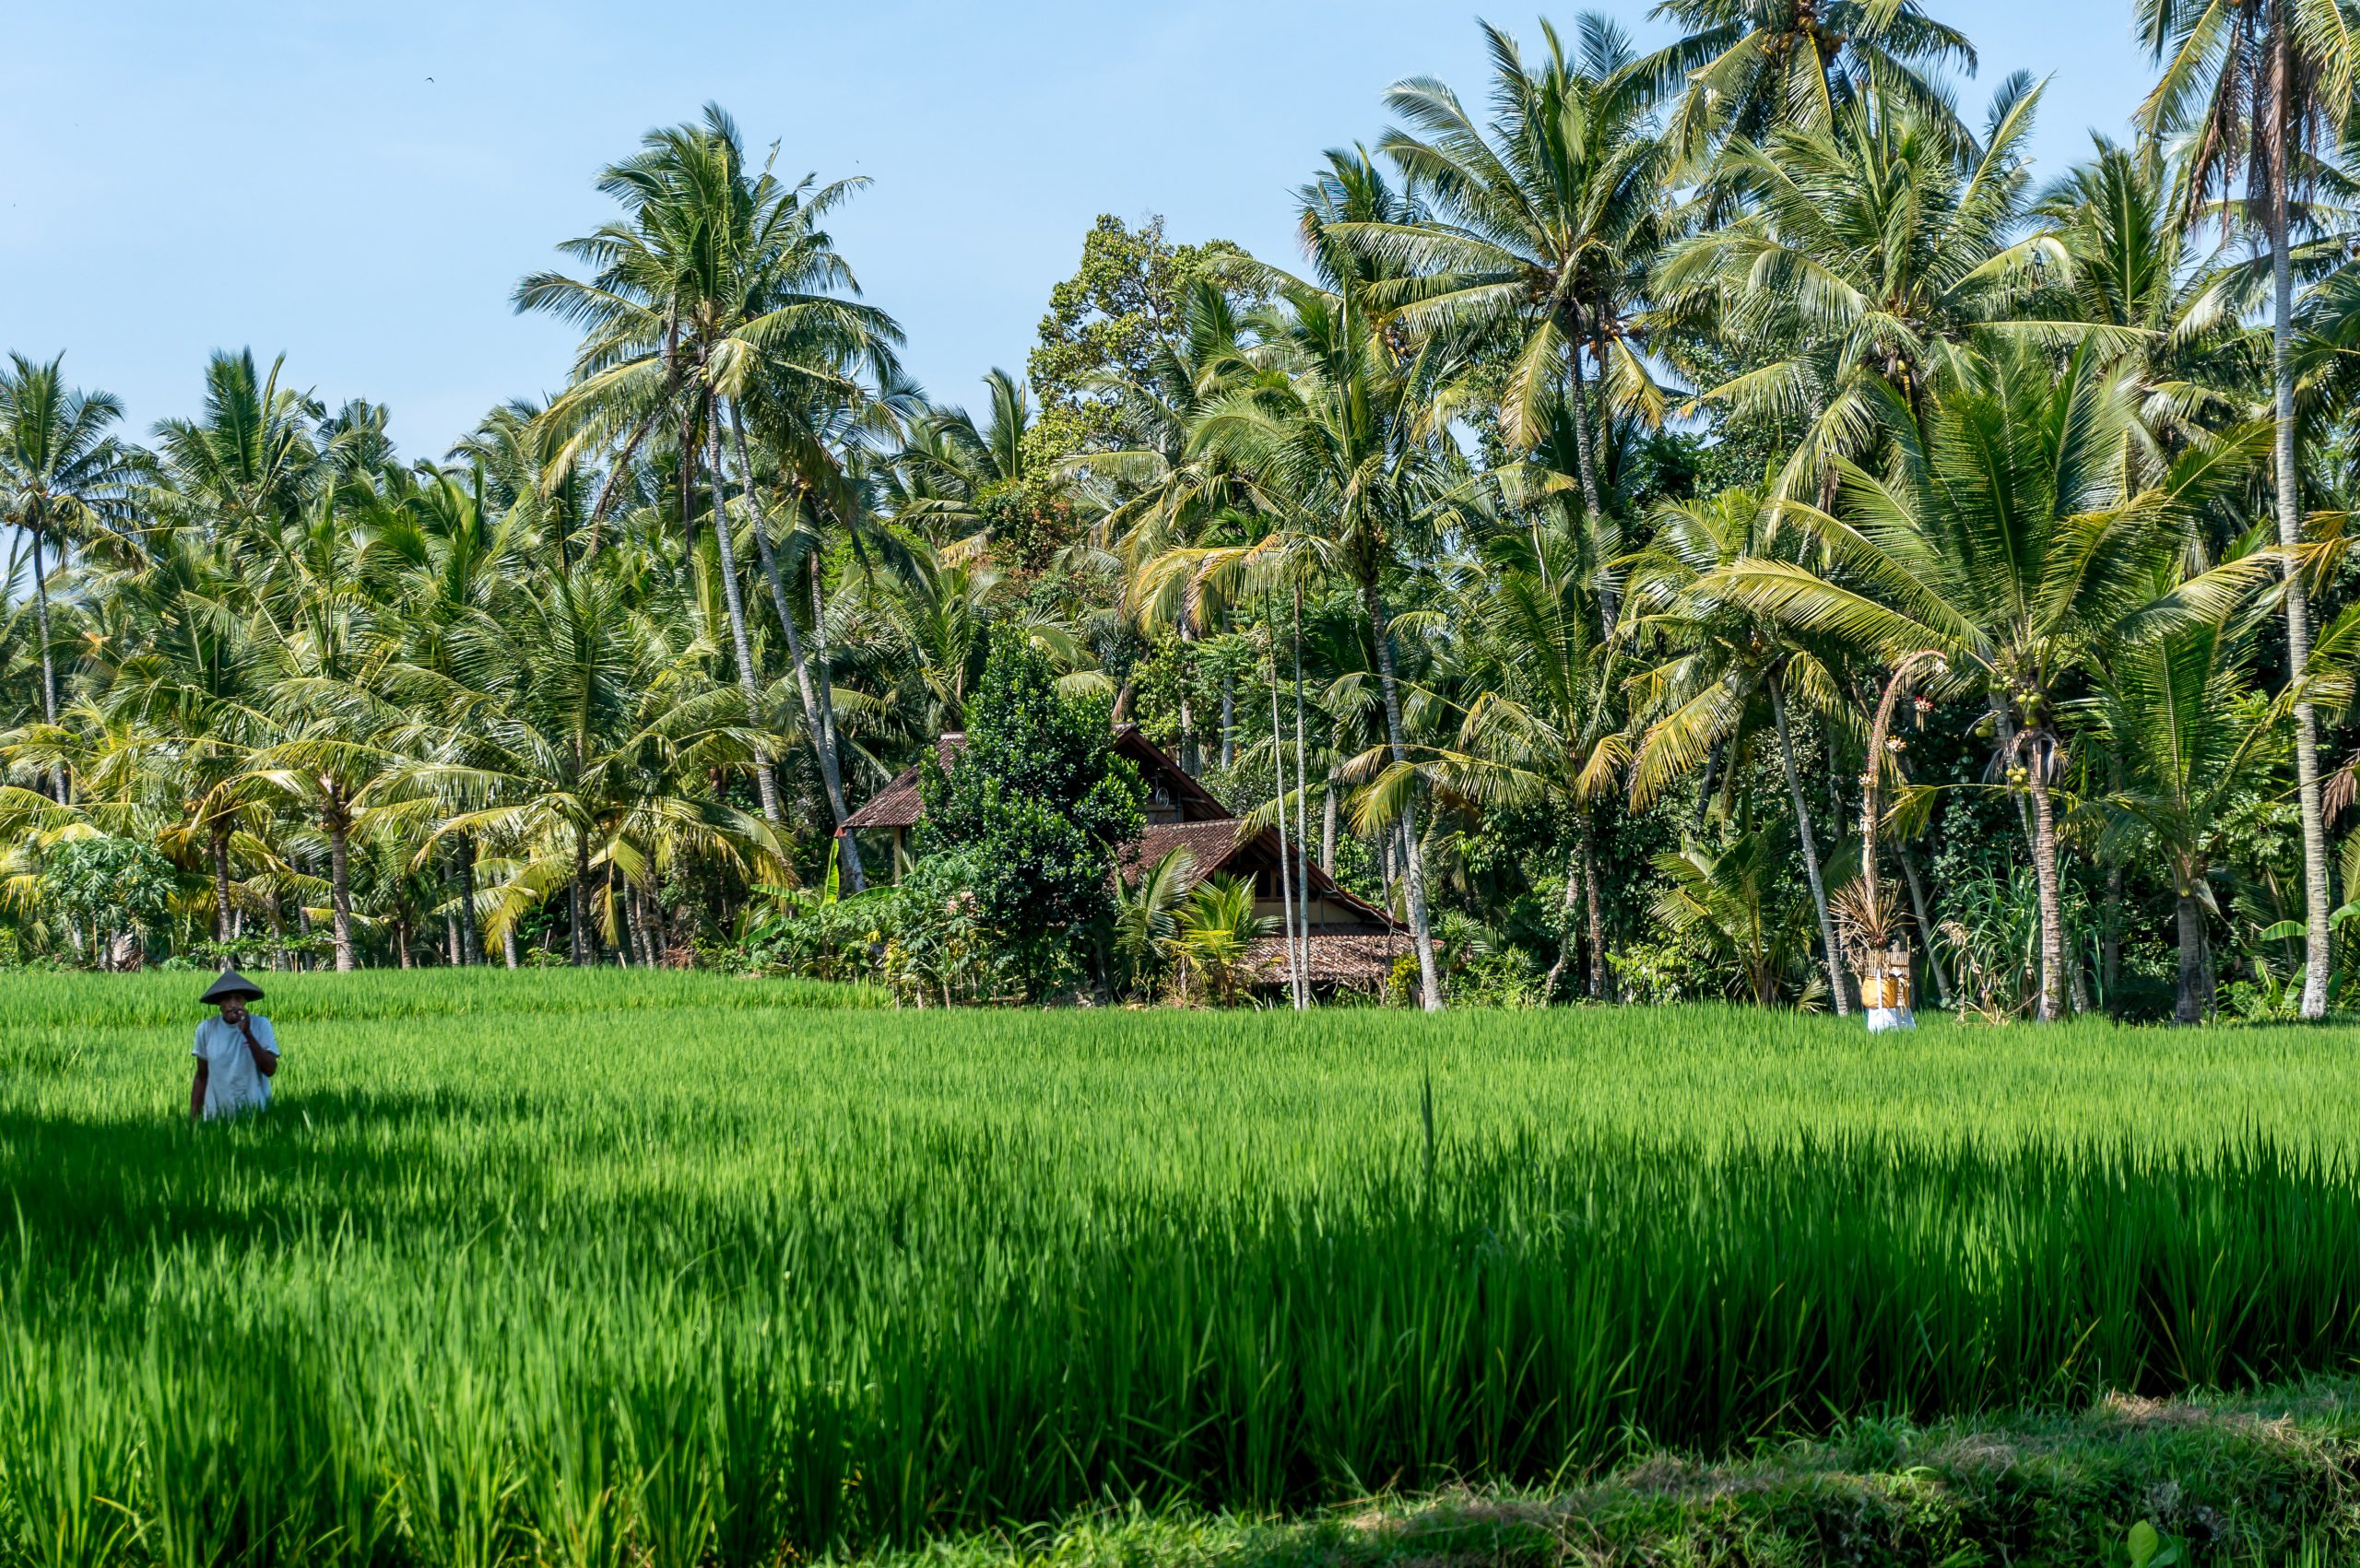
585,1267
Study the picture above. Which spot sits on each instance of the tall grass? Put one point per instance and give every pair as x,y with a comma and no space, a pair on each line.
599,1268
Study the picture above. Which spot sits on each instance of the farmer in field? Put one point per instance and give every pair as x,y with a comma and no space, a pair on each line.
236,1054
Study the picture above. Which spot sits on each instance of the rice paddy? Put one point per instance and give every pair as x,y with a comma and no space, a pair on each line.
607,1268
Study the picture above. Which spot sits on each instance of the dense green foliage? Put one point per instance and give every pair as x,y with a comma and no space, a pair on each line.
580,1266
1040,808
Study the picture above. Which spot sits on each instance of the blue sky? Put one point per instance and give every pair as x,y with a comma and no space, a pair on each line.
192,175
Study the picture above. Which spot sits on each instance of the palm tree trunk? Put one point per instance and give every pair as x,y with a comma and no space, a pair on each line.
1327,828
2052,907
340,889
2110,952
821,680
1187,710
578,903
1609,599
1414,869
2007,725
1601,978
48,667
220,883
470,929
1837,989
1588,464
508,945
2298,610
817,713
731,598
1229,722
2188,1006
1567,912
1584,464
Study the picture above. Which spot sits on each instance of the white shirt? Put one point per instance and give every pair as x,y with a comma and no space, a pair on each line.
232,1082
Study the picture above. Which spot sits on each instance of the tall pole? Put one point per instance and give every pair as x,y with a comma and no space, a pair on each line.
1302,800
1286,881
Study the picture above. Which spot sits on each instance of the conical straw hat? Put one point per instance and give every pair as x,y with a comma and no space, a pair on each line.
232,984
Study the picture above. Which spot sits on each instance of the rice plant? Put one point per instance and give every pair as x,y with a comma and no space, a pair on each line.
600,1268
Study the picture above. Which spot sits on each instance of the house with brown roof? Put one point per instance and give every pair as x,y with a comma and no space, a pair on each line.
1353,943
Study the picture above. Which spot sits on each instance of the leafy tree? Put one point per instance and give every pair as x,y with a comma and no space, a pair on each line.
1040,803
107,885
1122,308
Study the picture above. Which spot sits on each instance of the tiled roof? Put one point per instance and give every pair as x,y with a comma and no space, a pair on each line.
1210,842
1356,962
898,805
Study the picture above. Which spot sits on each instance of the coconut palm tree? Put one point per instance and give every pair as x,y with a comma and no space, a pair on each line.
1146,918
1729,895
2010,539
2180,715
1744,67
2261,89
1873,251
951,465
1543,724
249,464
528,475
61,472
1729,671
2133,269
717,279
1350,443
1539,227
180,701
1214,928
584,723
323,649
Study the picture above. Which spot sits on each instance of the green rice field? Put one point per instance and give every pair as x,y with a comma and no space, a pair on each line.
617,1267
